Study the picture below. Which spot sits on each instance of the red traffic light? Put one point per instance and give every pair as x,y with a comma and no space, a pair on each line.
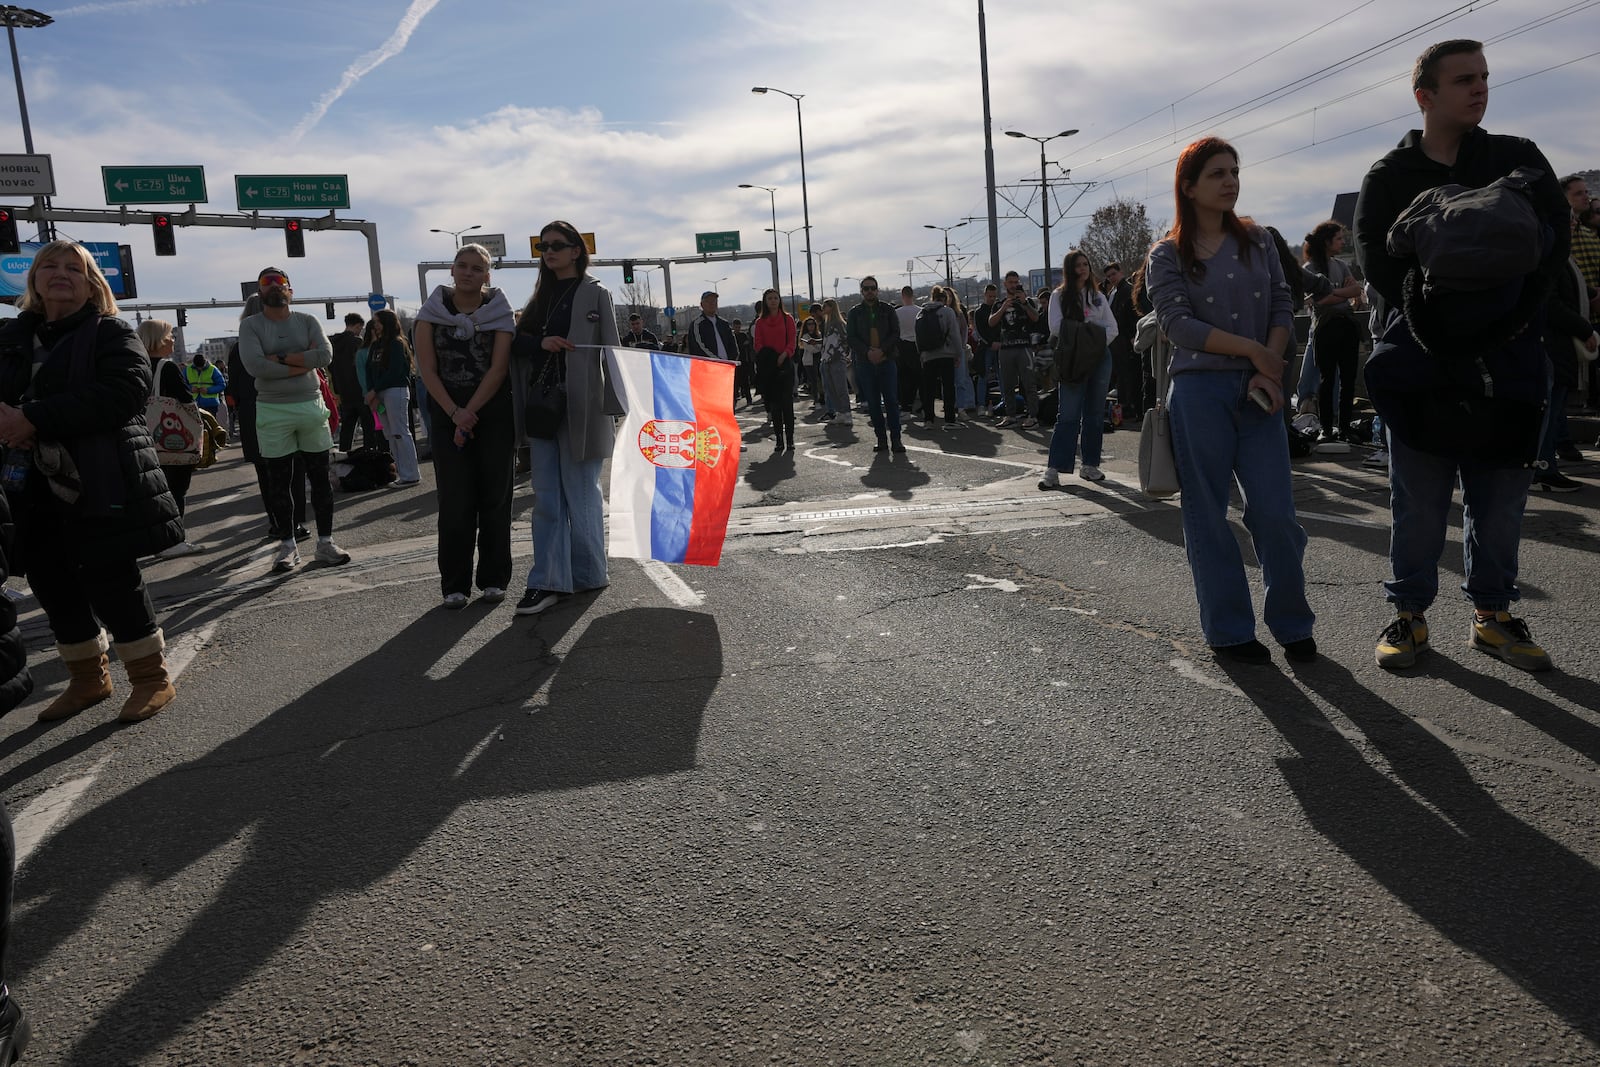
5,216
292,225
162,220
165,238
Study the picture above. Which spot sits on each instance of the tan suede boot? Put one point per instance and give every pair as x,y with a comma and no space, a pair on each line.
147,670
90,682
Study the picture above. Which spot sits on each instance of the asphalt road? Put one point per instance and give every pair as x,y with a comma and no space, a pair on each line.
933,769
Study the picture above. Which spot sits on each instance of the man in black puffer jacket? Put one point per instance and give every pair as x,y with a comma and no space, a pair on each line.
1451,85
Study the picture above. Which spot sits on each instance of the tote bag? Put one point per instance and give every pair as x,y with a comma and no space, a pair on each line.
1158,470
174,425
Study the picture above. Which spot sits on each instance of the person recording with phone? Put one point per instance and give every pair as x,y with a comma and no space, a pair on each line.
1220,296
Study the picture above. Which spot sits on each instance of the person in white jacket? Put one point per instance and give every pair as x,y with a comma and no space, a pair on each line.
1079,405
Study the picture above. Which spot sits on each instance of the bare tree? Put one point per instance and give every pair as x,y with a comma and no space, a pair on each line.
1118,232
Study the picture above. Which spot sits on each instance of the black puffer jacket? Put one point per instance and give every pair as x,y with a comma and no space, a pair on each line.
126,509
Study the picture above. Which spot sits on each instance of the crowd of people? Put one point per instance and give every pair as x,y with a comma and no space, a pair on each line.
102,431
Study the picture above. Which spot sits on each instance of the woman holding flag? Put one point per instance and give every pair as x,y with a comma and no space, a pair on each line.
563,328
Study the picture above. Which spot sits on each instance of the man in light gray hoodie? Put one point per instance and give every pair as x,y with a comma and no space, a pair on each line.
282,350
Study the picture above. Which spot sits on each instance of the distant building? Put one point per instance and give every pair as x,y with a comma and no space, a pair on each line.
215,349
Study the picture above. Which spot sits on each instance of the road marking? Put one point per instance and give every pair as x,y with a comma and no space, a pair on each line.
674,588
1004,585
45,811
477,750
1192,672
182,649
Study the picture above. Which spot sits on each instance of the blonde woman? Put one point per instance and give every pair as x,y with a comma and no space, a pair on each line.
82,559
157,337
835,365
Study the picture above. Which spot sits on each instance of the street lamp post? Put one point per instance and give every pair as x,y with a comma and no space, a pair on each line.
772,194
794,301
1044,191
714,282
28,19
820,274
805,202
949,275
455,235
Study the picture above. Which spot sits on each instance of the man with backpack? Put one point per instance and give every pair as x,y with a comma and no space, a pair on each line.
1465,396
939,339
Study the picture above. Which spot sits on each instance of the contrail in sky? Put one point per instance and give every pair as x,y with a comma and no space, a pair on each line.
109,7
367,64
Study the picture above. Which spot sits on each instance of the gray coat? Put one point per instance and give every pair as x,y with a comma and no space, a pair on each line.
587,432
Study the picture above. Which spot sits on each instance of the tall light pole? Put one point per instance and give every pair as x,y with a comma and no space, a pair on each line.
1044,191
824,252
28,19
805,202
794,302
714,282
772,194
949,275
455,235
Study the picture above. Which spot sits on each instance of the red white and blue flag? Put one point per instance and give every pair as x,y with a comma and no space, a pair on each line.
676,460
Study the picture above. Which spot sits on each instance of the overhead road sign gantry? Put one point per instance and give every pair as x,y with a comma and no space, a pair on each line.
294,192
154,185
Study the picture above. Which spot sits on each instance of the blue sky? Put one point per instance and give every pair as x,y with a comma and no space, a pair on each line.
636,121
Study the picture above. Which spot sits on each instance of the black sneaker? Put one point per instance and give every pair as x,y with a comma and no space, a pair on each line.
15,1031
1248,652
1568,451
536,600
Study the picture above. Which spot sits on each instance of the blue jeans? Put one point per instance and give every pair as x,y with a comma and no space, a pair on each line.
1492,497
1219,436
569,536
1310,377
966,396
1081,406
1555,426
879,384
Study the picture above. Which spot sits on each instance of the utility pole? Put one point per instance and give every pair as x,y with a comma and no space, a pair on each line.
988,147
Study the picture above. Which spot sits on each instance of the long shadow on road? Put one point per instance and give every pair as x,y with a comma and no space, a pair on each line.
1437,841
339,788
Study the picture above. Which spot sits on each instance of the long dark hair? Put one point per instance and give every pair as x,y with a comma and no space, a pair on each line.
1317,242
537,310
1293,275
1187,223
762,311
381,334
1071,292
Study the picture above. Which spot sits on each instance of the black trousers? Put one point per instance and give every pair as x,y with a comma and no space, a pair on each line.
284,474
178,479
939,380
80,593
1127,377
8,877
910,365
474,483
780,402
297,496
354,410
1338,343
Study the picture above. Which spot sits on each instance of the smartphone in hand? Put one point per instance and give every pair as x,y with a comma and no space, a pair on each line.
1263,401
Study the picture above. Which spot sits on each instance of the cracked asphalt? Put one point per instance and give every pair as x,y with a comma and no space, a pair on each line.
936,771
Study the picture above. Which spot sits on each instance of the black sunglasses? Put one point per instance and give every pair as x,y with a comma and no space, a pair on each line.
869,288
554,246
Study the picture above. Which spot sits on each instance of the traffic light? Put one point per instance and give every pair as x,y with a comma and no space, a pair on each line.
166,239
327,309
8,232
294,237
627,272
183,316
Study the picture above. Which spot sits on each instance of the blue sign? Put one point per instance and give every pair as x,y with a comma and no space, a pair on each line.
376,302
669,312
14,269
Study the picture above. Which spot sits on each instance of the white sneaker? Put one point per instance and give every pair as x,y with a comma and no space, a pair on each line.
1051,479
493,594
286,558
1378,460
1091,474
455,601
330,553
182,548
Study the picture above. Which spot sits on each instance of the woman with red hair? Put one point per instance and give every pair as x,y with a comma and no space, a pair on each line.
1220,296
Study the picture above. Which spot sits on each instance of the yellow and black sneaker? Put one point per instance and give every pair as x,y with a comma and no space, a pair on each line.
1510,639
1402,639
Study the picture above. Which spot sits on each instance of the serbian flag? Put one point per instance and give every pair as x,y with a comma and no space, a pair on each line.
676,459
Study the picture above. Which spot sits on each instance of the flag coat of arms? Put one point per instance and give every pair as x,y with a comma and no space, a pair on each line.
676,460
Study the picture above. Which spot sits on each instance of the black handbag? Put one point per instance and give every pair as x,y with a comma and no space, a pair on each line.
545,404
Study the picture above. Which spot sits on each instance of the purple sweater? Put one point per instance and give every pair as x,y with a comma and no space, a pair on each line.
1239,299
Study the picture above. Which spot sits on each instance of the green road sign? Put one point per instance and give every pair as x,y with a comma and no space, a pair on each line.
281,192
725,241
154,185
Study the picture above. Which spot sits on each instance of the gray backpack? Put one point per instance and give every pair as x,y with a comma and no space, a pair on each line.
1468,240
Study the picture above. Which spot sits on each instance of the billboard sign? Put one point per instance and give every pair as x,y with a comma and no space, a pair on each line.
107,254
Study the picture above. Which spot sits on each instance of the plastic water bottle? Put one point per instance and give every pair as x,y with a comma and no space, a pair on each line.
14,469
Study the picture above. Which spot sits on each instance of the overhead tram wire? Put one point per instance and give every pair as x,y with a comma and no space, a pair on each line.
1244,109
1217,81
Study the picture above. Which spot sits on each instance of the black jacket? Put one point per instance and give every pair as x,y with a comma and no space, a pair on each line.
342,371
1399,177
126,509
702,343
1564,323
15,681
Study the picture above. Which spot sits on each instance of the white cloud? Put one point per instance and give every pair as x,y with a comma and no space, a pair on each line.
123,7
